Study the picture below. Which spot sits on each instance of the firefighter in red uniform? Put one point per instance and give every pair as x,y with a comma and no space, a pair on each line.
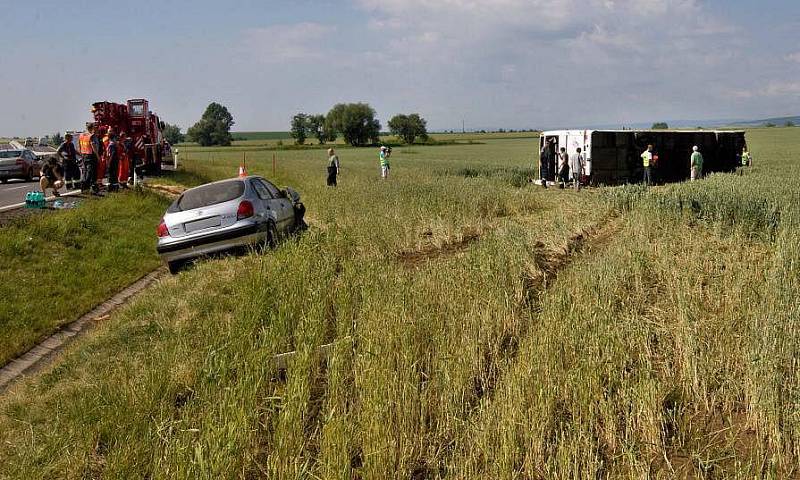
124,160
102,165
90,148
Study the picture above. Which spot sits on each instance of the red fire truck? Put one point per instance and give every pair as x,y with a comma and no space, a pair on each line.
137,121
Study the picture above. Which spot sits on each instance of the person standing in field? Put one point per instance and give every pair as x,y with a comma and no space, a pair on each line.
563,167
333,167
577,164
696,163
384,158
647,160
66,151
747,159
545,157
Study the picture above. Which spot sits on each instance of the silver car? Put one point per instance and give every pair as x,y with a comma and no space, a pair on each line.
224,215
18,164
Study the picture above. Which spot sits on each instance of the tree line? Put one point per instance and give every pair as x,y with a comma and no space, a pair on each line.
356,123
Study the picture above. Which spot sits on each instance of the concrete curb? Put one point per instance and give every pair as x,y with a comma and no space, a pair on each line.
45,352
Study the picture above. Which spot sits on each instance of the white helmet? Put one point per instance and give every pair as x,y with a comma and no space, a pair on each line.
694,149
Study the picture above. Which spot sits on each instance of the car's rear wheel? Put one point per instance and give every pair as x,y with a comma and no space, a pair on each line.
30,175
3,180
271,236
175,267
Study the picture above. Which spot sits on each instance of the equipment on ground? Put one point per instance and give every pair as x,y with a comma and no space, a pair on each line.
136,121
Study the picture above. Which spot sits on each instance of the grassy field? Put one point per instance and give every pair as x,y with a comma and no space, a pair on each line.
484,328
57,266
252,141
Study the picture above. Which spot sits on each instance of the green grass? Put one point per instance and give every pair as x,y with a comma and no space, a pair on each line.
498,331
57,266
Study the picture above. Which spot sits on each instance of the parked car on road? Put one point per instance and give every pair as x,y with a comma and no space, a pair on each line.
19,163
224,215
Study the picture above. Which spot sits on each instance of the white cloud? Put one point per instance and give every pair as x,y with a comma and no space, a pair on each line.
632,57
793,57
291,42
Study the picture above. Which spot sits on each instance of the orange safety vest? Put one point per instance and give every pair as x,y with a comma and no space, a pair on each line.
85,144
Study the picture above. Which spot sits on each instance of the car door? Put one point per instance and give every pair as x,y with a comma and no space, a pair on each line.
32,162
268,207
283,206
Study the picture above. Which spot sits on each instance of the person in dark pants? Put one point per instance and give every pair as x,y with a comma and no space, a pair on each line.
133,158
69,156
545,159
90,148
52,176
647,161
333,167
563,168
112,157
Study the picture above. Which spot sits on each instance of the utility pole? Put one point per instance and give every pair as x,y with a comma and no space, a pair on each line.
462,126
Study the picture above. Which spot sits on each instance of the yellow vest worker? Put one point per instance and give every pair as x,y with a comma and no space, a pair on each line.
85,144
647,157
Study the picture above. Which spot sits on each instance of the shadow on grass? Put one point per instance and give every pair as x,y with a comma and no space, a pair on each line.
242,251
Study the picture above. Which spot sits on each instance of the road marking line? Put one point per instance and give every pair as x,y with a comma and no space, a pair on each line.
50,198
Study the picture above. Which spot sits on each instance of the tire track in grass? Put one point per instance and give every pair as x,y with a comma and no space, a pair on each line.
550,263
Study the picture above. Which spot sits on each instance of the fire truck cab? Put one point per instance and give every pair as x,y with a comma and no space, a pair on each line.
137,121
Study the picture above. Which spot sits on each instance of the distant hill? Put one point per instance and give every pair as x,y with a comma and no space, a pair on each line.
260,135
779,121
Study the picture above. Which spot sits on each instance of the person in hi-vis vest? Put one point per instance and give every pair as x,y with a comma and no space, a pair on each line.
90,148
647,160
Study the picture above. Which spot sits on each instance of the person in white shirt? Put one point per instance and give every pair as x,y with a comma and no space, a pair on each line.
333,167
577,163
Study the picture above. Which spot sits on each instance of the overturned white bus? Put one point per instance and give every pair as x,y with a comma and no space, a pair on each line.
614,156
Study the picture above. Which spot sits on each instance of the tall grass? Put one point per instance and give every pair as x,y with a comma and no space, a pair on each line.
536,334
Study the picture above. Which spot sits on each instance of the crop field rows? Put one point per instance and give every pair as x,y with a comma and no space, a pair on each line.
479,327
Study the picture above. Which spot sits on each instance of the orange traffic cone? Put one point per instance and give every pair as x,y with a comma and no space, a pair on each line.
242,171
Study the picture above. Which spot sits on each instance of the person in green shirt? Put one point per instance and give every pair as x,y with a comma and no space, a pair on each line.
696,163
384,158
747,159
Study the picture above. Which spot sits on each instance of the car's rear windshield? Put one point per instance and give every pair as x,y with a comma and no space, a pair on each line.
210,194
10,153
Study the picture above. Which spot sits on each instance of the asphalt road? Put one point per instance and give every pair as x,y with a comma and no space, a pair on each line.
14,191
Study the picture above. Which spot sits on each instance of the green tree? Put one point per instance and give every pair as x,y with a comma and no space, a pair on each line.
56,140
355,121
299,127
660,126
769,124
408,127
172,134
213,128
788,123
316,128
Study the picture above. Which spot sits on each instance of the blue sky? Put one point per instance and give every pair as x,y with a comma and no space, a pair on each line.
492,63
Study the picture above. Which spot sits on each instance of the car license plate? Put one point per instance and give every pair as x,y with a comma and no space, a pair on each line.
201,224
